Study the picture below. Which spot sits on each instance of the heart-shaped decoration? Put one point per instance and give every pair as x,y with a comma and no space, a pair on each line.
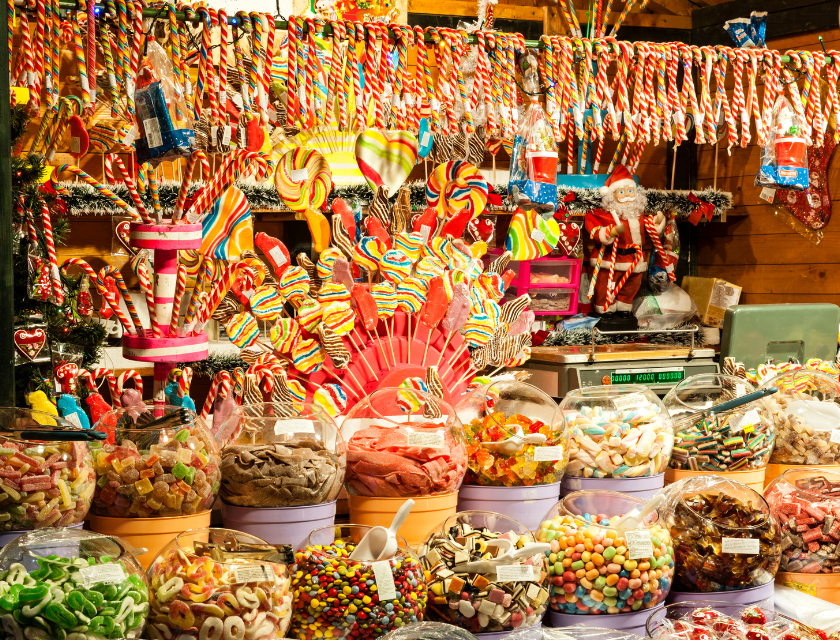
481,229
123,230
29,342
79,137
531,236
569,237
385,158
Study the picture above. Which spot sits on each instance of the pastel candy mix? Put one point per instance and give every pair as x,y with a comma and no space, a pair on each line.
242,330
294,283
395,265
368,252
479,329
429,267
339,317
46,485
411,294
266,303
284,334
309,314
591,570
333,292
385,296
409,243
326,262
308,356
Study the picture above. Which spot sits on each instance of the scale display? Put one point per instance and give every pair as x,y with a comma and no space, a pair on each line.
647,376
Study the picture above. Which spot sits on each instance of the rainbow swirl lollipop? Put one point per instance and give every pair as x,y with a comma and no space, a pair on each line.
303,179
479,329
411,295
326,262
294,283
332,398
409,243
242,329
309,314
454,186
395,265
284,334
385,296
266,303
368,252
308,356
339,317
429,268
333,292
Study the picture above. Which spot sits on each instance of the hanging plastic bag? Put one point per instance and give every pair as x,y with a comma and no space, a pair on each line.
784,160
164,118
661,266
533,176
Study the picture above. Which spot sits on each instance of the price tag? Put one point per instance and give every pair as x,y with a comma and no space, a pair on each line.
679,117
409,100
30,78
537,235
434,440
226,132
277,256
514,573
747,546
216,84
130,136
75,144
300,175
252,573
152,129
835,436
129,87
263,100
639,544
425,231
83,81
699,117
578,115
237,101
223,98
434,104
549,454
629,401
740,390
384,576
530,494
73,419
110,572
425,138
747,422
768,195
214,134
293,426
189,87
396,102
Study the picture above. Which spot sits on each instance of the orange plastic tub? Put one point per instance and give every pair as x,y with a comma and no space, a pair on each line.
773,471
825,586
426,514
754,478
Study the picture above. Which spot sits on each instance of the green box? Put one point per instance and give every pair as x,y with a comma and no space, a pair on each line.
755,333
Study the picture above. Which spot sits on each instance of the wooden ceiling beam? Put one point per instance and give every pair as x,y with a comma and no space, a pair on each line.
673,7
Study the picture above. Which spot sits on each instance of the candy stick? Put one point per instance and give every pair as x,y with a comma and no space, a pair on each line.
180,285
222,387
204,276
58,292
125,376
185,183
185,381
114,273
377,342
362,356
114,303
104,191
146,286
469,372
129,184
268,60
153,190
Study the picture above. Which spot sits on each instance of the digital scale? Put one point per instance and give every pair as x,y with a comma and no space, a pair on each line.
558,370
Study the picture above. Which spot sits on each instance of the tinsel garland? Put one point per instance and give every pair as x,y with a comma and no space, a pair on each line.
583,337
85,200
213,363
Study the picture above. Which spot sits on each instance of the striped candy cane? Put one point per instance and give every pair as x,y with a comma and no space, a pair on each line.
58,292
220,388
124,377
113,272
102,189
739,102
721,100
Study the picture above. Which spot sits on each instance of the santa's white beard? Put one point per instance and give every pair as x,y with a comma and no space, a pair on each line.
627,210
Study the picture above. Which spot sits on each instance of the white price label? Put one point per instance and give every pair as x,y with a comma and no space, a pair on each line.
749,419
699,117
277,256
768,195
216,84
409,100
740,390
537,235
425,231
112,79
109,572
432,440
834,438
628,117
226,133
223,98
425,138
629,401
639,544
237,101
252,573
293,426
299,175
384,575
152,129
514,573
73,419
30,78
679,117
434,104
263,100
396,102
130,136
75,144
129,87
549,454
214,135
530,494
188,87
748,546
83,81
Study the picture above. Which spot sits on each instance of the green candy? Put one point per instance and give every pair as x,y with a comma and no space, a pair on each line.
8,602
33,594
190,475
96,598
60,614
179,470
182,435
77,602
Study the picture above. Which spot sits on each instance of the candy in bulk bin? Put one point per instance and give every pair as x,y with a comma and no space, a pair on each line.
724,619
621,440
213,583
157,474
806,502
403,443
66,583
806,413
486,574
282,471
733,443
429,631
517,450
339,597
725,539
601,567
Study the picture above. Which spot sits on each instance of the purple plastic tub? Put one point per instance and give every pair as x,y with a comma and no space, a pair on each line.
504,634
645,487
279,525
761,596
524,504
629,622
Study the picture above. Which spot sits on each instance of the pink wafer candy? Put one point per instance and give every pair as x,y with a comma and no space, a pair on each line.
522,323
342,273
459,308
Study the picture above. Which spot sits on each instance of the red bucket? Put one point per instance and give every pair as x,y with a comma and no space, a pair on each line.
790,152
542,166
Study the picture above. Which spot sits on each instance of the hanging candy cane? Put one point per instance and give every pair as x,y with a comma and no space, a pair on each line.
124,377
178,209
55,276
220,388
112,272
739,104
793,91
205,73
832,103
721,99
772,77
754,56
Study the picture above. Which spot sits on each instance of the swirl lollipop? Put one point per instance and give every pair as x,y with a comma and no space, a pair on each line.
454,186
303,181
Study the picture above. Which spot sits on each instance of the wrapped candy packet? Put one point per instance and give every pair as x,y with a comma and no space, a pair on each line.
784,160
533,173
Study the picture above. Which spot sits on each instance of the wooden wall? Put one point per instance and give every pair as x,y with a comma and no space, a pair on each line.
754,247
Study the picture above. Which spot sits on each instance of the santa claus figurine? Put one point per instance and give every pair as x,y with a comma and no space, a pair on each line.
617,262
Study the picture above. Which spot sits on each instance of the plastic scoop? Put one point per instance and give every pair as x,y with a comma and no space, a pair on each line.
635,518
822,416
687,420
512,445
380,543
507,558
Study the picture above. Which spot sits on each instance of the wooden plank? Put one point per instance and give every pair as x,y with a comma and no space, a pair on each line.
466,8
673,7
790,298
779,279
796,20
778,249
751,219
651,20
716,15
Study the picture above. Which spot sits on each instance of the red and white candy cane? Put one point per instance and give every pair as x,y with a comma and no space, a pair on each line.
91,378
753,58
793,89
102,189
123,378
185,382
650,227
238,384
772,78
706,122
832,104
217,293
220,388
113,272
264,377
721,100
185,183
739,101
55,276
130,185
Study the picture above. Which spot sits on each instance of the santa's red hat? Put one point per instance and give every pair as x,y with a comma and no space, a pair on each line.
620,177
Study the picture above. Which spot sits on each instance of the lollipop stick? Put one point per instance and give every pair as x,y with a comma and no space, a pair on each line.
445,344
426,348
408,337
362,355
391,341
455,357
378,343
361,388
470,373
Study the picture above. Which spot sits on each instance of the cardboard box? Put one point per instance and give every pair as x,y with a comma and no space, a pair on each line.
712,296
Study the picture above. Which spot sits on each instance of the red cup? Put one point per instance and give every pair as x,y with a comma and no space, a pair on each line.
542,166
790,152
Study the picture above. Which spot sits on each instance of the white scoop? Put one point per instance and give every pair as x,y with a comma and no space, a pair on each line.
635,518
822,416
512,445
507,558
380,543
